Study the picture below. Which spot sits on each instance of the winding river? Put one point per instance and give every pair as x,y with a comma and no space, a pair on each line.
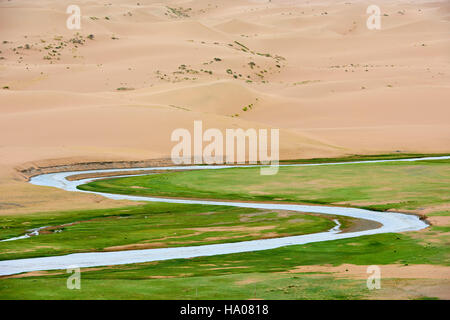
389,221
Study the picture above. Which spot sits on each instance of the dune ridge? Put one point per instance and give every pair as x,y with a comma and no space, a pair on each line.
313,70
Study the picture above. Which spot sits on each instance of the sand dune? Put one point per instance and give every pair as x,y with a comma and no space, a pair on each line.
238,26
313,70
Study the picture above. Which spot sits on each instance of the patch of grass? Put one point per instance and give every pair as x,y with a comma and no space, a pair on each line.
379,186
268,286
179,12
305,82
150,225
357,157
237,276
240,44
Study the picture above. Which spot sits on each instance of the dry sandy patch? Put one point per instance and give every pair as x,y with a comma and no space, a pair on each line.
387,271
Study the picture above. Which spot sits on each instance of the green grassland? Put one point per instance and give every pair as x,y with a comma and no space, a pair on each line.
363,157
263,274
380,186
154,225
238,276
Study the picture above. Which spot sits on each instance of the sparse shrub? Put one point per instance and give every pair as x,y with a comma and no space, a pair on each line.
240,44
179,12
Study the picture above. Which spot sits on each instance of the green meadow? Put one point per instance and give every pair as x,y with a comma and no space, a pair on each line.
264,274
153,225
261,274
379,186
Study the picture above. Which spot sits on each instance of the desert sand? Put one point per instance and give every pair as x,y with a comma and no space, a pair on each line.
310,68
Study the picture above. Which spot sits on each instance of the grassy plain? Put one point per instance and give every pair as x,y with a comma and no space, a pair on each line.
421,187
154,225
379,186
238,276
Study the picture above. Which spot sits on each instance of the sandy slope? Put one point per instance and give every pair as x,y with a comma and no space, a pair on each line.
332,86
